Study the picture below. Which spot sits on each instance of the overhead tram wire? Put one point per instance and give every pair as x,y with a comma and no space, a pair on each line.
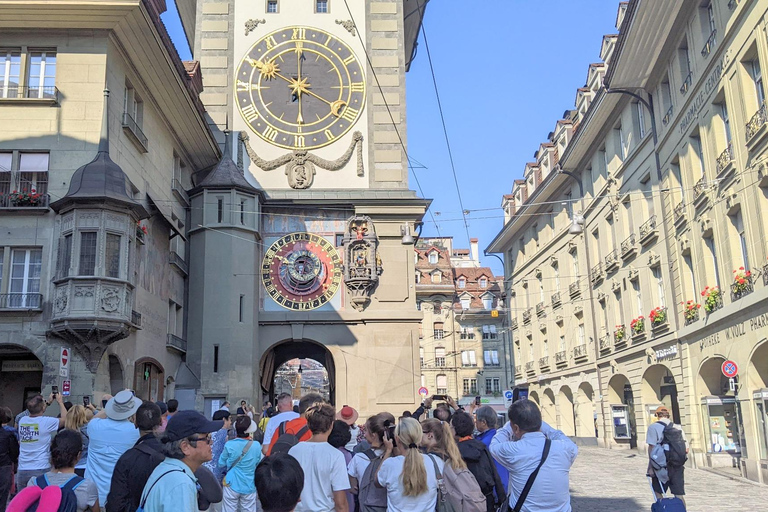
445,129
389,111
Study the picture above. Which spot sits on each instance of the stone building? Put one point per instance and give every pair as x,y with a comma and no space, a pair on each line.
225,256
666,278
463,339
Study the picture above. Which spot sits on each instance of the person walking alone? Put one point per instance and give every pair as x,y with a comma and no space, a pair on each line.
668,439
239,459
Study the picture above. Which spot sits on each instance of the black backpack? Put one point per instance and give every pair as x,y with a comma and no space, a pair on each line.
371,498
287,441
68,501
673,437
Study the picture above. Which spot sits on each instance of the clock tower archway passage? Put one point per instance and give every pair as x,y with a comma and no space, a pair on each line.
286,351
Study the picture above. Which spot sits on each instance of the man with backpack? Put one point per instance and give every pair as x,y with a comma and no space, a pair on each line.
284,413
671,438
294,431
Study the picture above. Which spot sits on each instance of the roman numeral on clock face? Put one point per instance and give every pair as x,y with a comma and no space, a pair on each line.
250,113
350,114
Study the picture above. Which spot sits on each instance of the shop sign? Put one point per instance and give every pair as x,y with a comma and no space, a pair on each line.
701,98
736,331
22,366
762,394
666,353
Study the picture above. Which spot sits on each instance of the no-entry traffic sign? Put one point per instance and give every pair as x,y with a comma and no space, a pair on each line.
730,369
64,363
423,391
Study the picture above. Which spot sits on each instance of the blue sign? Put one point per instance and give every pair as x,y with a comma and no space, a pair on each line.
508,395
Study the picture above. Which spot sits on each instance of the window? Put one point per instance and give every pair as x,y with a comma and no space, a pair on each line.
483,282
321,6
691,277
418,277
65,256
581,334
491,357
133,107
495,385
433,258
710,243
438,330
26,265
437,277
421,356
215,359
638,296
622,143
112,256
561,344
470,386
738,224
541,289
462,283
657,275
87,266
467,333
556,271
242,211
271,5
489,332
10,69
33,173
488,387
726,122
438,307
698,153
640,109
757,78
175,319
41,77
711,20
220,209
545,348
442,384
487,302
468,358
575,267
241,309
465,302
440,357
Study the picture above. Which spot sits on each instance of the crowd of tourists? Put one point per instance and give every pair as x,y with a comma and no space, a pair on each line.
131,455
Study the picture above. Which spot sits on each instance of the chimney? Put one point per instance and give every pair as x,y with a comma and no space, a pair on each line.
473,251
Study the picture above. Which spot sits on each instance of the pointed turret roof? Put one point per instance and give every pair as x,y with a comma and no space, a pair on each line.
101,179
226,174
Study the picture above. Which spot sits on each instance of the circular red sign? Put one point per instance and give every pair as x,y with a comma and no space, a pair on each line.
64,357
730,369
423,391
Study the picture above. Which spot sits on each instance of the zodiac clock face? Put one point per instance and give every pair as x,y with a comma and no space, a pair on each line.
300,88
301,271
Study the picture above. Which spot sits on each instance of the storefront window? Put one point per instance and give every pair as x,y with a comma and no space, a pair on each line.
723,425
761,404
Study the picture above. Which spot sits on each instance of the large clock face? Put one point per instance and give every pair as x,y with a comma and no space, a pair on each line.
300,88
301,271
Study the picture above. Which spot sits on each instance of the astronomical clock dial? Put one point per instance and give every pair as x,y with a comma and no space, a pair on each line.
300,88
301,271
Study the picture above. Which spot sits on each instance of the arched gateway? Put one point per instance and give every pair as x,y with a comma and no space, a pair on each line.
276,358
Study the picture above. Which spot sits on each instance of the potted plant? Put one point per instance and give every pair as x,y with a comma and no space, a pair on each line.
31,198
658,316
742,279
637,325
690,310
141,231
619,333
712,298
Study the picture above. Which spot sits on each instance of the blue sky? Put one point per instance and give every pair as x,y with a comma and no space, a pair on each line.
506,71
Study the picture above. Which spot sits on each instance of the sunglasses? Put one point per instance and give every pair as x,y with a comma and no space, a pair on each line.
194,439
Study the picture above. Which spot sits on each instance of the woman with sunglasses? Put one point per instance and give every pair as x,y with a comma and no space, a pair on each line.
239,460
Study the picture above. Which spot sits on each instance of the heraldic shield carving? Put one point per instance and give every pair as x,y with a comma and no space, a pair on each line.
362,263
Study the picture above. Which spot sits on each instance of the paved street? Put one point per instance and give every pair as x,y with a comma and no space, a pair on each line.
614,481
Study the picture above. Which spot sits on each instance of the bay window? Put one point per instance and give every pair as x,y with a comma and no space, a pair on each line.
87,265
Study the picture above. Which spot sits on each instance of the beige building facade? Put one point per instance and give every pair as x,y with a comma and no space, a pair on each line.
667,264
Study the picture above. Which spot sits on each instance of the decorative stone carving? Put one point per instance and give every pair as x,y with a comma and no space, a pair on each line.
300,165
348,25
362,262
251,25
110,300
61,301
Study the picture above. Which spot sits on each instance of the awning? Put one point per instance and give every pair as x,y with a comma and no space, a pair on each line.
165,212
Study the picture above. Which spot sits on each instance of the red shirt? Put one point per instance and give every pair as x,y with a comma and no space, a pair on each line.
291,427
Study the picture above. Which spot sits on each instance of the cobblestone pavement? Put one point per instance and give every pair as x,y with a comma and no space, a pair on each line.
614,481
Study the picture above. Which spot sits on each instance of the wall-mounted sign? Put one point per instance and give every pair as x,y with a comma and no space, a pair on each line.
22,366
666,353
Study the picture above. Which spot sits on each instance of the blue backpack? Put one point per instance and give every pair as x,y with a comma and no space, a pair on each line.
68,501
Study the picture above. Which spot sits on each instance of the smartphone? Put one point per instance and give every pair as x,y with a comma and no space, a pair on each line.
439,397
104,403
391,434
55,390
477,400
86,401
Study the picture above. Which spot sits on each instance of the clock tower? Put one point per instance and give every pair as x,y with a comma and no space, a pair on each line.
314,91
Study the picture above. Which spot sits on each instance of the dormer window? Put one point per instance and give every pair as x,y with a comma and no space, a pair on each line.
483,282
461,283
437,277
465,302
433,258
487,301
415,258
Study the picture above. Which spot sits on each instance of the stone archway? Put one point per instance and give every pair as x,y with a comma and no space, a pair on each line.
149,379
548,410
585,411
620,392
116,378
534,396
566,411
711,380
21,376
757,371
285,351
659,388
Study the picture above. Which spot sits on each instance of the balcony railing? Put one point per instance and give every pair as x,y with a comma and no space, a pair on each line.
527,316
605,342
739,290
21,300
561,357
700,187
132,127
757,122
179,191
680,212
177,261
177,343
540,310
136,318
26,93
556,299
611,260
648,229
580,352
687,83
529,367
668,116
725,159
573,289
518,370
711,42
628,246
513,323
596,273
24,202
544,362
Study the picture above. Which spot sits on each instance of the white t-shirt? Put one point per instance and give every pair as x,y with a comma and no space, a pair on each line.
390,477
359,464
35,442
325,471
275,422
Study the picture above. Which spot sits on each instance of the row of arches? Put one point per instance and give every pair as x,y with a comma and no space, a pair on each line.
573,413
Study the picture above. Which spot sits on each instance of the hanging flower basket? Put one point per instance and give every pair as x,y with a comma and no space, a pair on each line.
658,316
141,232
713,299
637,325
691,310
619,334
742,281
31,198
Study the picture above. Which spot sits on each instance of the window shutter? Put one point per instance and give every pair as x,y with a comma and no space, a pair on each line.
472,359
493,329
439,352
465,358
442,381
495,357
487,356
486,329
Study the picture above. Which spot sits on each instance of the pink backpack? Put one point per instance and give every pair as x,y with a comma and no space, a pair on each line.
46,500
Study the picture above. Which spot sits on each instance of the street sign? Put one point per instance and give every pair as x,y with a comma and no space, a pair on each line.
508,395
66,385
730,369
64,362
423,391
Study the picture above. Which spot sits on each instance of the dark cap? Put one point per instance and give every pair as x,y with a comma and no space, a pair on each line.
163,407
221,414
187,423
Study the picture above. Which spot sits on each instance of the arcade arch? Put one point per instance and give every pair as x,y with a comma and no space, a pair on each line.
548,410
567,411
659,388
21,376
285,351
585,411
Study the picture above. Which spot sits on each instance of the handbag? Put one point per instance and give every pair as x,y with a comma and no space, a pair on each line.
523,495
237,460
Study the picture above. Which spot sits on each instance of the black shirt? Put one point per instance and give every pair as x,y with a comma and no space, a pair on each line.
131,474
9,448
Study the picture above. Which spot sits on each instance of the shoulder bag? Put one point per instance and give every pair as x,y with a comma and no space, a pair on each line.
237,461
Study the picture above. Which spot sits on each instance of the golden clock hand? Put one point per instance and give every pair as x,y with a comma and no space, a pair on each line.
299,119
